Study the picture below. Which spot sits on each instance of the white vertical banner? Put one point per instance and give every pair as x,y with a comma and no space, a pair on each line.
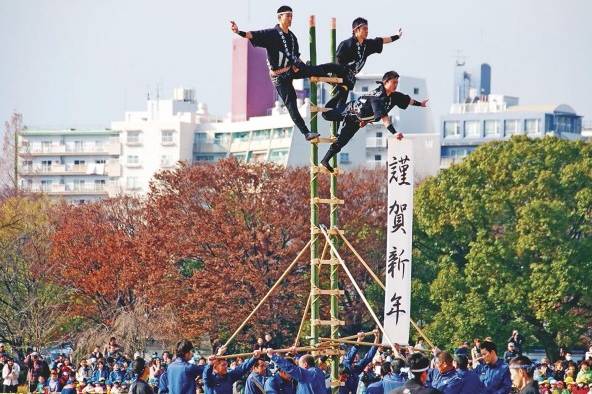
397,297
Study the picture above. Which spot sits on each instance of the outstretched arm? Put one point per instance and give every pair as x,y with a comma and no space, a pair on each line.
423,103
386,121
386,40
235,30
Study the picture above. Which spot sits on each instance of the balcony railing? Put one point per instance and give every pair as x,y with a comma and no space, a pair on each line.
70,149
77,169
68,188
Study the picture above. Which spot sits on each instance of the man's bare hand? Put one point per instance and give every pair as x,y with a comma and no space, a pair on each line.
361,336
399,136
424,103
221,351
257,353
211,359
233,27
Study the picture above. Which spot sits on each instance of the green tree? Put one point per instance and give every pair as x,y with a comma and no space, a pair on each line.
504,240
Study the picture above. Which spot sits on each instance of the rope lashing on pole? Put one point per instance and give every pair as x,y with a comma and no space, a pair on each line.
360,293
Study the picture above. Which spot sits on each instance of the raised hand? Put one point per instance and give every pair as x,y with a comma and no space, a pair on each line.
233,27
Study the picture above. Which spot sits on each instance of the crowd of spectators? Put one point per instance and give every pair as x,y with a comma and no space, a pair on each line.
466,369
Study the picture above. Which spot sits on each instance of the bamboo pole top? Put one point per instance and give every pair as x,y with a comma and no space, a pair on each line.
333,23
311,21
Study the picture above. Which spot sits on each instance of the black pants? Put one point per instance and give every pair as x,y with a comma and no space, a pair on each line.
341,93
9,389
285,89
351,125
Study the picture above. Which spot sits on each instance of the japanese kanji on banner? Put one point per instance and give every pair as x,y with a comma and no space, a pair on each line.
397,298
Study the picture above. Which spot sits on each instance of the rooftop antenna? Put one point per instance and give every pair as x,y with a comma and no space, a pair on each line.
460,58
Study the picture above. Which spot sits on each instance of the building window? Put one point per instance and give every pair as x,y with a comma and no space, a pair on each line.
45,165
379,134
344,158
511,126
99,185
240,136
27,165
133,160
132,183
167,137
100,161
165,161
451,129
377,157
78,146
261,135
492,128
78,185
415,90
278,155
204,158
46,185
240,156
281,133
532,126
364,88
99,146
472,129
133,137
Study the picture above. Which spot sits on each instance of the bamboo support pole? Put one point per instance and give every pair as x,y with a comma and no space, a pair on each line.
321,346
379,282
334,268
275,285
314,208
360,292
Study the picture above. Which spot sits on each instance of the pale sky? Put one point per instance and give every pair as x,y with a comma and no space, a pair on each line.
82,63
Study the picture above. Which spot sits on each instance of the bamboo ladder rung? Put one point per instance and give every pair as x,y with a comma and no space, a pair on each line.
320,322
326,79
316,108
323,140
331,231
318,200
325,262
323,170
317,291
337,383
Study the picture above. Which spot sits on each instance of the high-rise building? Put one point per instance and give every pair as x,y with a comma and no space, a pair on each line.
77,165
252,92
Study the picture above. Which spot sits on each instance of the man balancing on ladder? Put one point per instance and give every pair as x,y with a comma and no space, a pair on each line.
283,60
370,108
352,53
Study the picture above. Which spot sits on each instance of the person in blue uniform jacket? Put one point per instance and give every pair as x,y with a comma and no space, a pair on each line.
281,382
471,381
180,374
494,372
310,378
255,383
352,369
445,377
352,54
369,108
418,366
285,65
218,379
391,378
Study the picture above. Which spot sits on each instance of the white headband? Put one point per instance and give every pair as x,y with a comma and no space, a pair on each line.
360,25
420,370
285,12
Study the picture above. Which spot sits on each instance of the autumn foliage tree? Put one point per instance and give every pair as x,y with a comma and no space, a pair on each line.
209,241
